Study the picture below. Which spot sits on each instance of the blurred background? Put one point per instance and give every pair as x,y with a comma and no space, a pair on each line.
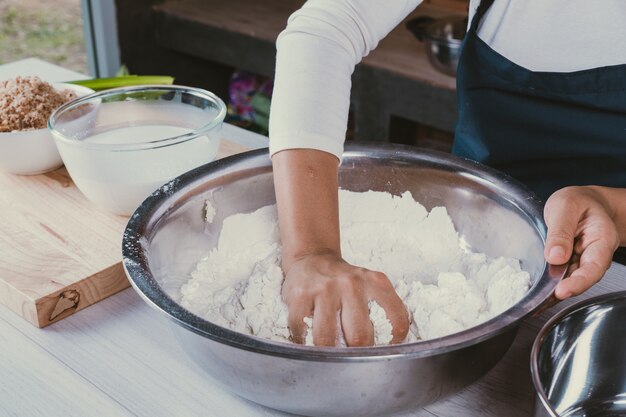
228,47
50,30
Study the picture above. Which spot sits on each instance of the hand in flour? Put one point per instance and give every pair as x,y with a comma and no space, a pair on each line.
318,282
324,285
585,227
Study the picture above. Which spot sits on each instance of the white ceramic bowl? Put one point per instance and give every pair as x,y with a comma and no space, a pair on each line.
120,145
32,152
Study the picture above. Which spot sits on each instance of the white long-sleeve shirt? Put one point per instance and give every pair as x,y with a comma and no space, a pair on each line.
323,41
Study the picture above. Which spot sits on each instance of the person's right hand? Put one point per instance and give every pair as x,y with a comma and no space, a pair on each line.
324,285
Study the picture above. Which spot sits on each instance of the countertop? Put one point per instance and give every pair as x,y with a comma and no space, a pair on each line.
119,358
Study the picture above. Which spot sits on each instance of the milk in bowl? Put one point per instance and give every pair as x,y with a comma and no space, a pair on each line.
126,143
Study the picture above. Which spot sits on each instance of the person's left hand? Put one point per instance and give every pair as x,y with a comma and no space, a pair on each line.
581,230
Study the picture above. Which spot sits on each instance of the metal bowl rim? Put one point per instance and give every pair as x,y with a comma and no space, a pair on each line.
141,279
548,327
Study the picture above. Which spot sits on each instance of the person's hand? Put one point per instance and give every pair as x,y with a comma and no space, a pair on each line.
581,231
318,282
324,285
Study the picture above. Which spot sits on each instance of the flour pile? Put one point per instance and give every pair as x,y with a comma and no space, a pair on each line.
445,288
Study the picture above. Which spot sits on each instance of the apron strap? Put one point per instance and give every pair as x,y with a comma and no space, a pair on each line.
480,12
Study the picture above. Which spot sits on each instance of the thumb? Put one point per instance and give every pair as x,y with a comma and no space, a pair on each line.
562,220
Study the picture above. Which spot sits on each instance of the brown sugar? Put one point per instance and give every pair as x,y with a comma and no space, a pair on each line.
27,102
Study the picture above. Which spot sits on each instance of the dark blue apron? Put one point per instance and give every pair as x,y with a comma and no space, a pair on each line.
546,129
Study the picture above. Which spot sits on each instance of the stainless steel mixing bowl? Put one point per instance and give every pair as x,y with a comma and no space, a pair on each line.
578,360
167,235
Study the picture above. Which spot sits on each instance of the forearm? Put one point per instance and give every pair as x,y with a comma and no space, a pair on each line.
615,200
306,186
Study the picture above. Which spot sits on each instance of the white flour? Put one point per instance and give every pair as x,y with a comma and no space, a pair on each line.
446,288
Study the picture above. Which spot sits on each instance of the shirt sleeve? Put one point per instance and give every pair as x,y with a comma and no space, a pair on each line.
316,55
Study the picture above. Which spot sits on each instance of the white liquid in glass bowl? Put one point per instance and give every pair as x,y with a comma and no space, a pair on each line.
119,180
120,145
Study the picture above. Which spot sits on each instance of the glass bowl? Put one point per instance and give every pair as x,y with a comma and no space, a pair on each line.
120,145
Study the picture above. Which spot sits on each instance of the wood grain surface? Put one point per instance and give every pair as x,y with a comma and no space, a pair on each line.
58,252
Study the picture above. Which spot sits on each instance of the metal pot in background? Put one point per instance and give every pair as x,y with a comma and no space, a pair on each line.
442,39
578,360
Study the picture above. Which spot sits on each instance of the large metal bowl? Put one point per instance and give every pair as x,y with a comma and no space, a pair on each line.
167,235
577,360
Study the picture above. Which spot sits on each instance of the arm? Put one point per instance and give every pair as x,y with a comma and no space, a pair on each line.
315,59
318,282
316,55
585,227
306,194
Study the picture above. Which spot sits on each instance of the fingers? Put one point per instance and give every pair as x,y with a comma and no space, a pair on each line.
596,237
562,221
322,285
593,263
298,310
385,295
325,322
355,320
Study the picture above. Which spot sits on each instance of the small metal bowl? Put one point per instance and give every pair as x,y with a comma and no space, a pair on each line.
442,39
167,236
578,360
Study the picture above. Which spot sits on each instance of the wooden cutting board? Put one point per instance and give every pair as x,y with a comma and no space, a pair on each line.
58,252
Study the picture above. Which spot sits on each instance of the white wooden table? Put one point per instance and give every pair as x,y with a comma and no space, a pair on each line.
119,358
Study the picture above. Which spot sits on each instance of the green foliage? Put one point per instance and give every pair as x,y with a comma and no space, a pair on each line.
123,71
50,30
